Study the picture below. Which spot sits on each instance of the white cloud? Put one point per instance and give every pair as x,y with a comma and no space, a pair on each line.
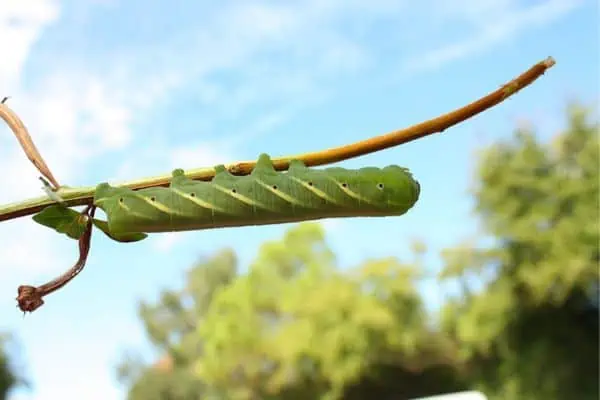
21,23
272,51
494,22
75,115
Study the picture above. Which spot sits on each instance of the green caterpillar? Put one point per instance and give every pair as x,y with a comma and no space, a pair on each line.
263,197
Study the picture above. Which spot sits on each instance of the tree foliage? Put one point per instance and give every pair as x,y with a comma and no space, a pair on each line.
171,325
297,321
296,325
533,328
8,377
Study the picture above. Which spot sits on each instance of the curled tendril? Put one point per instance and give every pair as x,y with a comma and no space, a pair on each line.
29,297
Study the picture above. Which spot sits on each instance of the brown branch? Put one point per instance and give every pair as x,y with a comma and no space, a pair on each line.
30,297
83,196
20,131
435,125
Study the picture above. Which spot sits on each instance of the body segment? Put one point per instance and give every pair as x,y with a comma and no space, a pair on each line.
263,197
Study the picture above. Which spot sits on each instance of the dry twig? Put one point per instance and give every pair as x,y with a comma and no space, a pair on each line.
20,131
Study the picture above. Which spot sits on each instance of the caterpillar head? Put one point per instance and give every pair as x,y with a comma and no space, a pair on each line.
389,191
401,189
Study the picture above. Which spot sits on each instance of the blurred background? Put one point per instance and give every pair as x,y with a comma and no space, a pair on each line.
489,283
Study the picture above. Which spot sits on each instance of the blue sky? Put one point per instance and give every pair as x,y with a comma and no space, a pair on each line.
115,90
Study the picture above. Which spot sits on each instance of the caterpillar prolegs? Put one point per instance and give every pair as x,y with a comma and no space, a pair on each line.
265,196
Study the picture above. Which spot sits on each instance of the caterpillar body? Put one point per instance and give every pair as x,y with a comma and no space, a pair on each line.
265,196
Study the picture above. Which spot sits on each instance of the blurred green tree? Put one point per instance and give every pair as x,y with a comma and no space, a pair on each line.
8,377
297,326
528,318
294,326
171,325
